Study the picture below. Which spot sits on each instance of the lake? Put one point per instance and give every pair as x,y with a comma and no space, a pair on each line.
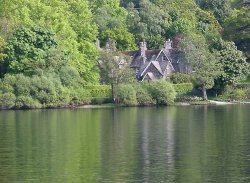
179,144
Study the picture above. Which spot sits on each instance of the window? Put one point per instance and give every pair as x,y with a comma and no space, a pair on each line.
164,58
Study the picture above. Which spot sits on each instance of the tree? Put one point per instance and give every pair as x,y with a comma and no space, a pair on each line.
27,50
235,67
149,23
71,21
115,69
205,67
2,44
237,29
111,21
221,9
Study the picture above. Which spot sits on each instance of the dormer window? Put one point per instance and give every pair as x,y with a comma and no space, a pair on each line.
164,58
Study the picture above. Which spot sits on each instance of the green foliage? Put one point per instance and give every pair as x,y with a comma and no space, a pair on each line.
235,67
221,9
2,55
27,50
206,68
237,30
162,92
71,21
27,102
111,20
40,91
233,94
70,77
124,39
126,95
183,88
115,68
178,77
7,100
243,85
150,23
80,96
99,91
143,95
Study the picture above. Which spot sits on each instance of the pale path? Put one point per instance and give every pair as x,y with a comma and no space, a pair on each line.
219,102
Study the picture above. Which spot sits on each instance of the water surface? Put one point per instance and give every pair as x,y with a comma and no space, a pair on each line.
171,144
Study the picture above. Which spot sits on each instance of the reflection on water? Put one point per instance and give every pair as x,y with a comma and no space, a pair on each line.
171,144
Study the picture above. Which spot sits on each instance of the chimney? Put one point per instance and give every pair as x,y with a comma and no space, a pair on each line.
97,43
168,45
142,49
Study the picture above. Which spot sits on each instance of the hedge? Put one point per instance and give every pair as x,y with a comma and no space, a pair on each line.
183,88
243,85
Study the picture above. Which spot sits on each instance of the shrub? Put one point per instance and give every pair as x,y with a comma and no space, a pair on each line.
143,96
243,85
163,92
231,94
70,77
80,96
7,84
7,100
178,78
184,88
126,95
22,85
27,102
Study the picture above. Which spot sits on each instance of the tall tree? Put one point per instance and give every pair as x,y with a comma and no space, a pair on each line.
221,9
115,69
71,21
148,22
29,50
111,21
204,64
235,67
237,29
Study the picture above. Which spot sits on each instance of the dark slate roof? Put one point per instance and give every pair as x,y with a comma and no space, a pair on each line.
142,64
137,60
150,75
174,55
143,67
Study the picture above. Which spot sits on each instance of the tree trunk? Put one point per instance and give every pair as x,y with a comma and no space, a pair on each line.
113,92
204,92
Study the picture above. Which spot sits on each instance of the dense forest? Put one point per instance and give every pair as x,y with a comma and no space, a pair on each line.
48,48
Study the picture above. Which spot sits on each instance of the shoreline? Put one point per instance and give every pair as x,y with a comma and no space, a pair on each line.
110,105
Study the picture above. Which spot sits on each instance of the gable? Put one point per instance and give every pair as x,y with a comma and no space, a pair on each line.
149,76
153,67
168,70
163,57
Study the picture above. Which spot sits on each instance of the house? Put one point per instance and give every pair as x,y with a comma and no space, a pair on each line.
157,64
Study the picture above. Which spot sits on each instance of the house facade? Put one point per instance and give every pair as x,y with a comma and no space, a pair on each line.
157,64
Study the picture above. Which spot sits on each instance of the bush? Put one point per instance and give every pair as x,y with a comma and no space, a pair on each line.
46,89
27,102
243,85
80,96
126,95
143,96
178,78
7,100
184,88
163,92
233,94
70,77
